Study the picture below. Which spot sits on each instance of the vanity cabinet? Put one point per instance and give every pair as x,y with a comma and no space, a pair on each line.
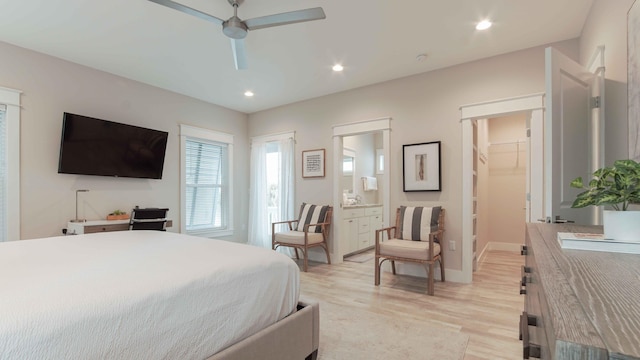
359,225
579,304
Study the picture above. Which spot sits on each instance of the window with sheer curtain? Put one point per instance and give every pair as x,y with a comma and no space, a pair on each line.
271,185
9,164
206,182
3,173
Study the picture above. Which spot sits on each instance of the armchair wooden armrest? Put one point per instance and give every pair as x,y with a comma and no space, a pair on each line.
289,222
381,231
323,225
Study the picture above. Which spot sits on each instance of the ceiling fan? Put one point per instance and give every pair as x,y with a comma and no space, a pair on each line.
236,29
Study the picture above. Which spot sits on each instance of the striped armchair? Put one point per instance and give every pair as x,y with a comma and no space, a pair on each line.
416,237
311,229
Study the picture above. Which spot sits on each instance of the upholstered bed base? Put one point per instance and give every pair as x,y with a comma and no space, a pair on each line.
295,337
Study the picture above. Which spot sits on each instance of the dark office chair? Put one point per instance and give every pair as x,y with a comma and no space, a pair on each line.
148,219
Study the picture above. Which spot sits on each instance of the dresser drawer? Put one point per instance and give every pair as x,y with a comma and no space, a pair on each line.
535,344
104,228
348,213
363,225
373,211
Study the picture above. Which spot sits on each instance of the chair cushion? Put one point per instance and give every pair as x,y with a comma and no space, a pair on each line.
418,250
312,214
417,222
297,237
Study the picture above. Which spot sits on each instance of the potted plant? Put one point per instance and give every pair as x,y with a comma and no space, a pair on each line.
617,186
118,215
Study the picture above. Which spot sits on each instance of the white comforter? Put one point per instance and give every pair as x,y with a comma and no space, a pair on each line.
137,295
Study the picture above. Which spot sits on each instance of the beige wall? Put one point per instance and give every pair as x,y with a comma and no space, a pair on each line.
423,108
52,86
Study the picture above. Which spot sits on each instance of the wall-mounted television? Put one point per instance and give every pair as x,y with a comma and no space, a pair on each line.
91,146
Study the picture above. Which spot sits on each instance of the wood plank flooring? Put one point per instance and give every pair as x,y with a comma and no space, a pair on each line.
487,310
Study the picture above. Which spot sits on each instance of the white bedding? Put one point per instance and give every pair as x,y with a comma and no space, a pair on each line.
137,295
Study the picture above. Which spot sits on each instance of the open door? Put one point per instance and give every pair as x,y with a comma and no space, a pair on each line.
569,145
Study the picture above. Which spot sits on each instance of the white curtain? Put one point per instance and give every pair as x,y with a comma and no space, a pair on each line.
270,205
3,175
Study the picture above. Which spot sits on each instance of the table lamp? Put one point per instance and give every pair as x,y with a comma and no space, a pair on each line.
76,219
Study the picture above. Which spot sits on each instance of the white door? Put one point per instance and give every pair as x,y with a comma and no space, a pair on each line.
569,144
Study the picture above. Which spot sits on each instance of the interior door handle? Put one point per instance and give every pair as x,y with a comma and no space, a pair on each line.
559,220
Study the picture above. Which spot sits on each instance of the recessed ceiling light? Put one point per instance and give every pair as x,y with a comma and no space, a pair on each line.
248,93
421,57
337,67
483,25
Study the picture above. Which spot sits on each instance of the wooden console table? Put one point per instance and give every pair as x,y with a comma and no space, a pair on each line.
94,226
578,304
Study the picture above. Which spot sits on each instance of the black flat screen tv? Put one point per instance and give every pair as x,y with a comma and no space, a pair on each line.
91,146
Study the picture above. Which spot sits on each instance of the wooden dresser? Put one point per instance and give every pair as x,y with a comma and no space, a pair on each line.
581,305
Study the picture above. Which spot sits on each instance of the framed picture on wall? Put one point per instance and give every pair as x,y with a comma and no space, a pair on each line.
313,163
421,167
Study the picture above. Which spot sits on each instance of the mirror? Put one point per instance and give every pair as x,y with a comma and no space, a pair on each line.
348,169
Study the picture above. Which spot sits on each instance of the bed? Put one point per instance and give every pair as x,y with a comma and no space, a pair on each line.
151,295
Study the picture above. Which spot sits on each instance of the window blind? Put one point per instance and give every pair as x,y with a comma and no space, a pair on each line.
206,185
3,173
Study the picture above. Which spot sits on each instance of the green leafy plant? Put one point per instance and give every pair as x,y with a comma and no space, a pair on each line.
118,212
617,186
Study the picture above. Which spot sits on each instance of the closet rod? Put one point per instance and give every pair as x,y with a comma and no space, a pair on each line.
508,142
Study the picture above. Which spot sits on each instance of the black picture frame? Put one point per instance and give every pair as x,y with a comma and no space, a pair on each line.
421,167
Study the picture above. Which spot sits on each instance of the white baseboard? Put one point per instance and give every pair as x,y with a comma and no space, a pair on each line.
500,246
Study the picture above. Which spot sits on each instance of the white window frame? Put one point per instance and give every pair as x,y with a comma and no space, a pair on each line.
190,132
11,99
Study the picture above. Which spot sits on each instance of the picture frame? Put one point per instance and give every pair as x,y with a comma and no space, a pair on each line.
421,167
313,163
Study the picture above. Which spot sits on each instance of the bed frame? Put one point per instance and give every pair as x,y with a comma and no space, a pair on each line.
295,337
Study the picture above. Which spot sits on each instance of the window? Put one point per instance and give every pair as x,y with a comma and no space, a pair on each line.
9,164
3,172
271,185
206,182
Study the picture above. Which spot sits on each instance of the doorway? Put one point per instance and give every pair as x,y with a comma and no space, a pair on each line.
532,108
501,187
380,129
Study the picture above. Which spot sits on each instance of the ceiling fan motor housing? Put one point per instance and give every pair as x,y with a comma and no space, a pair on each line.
234,28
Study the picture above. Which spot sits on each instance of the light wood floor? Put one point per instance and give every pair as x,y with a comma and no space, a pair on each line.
487,310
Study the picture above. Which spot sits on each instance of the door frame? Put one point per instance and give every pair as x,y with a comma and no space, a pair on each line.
533,105
338,247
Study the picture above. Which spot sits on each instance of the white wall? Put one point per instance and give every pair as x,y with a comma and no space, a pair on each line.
607,25
52,86
423,108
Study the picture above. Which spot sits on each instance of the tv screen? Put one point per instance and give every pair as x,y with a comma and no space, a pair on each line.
91,146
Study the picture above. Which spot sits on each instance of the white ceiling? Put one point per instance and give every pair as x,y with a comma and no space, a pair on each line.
375,40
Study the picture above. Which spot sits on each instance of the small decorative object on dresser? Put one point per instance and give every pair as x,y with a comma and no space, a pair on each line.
617,186
118,215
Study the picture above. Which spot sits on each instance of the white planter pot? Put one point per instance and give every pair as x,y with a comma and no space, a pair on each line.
621,225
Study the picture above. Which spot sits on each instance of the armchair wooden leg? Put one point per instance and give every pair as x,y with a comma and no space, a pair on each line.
304,255
393,267
431,287
297,256
376,280
441,268
326,250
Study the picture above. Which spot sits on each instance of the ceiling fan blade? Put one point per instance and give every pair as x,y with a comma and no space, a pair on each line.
285,18
188,10
239,56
